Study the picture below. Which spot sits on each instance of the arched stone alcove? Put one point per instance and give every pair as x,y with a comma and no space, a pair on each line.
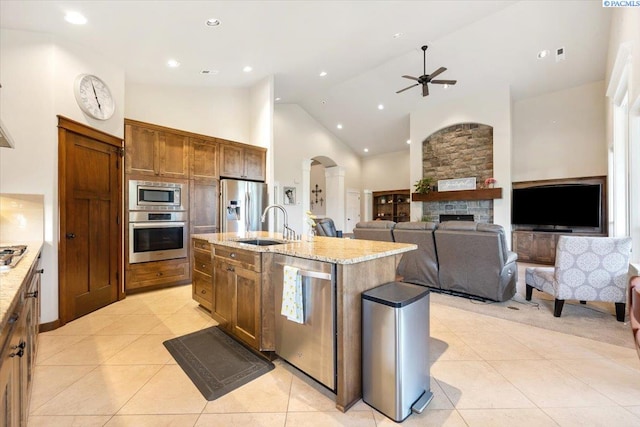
459,151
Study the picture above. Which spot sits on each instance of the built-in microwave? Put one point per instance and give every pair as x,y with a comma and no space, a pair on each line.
156,195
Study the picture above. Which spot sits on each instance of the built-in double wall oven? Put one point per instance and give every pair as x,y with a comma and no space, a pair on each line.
157,221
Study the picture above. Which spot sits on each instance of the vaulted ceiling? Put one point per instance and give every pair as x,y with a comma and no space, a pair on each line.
363,46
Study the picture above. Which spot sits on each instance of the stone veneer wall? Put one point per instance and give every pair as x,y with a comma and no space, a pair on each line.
459,151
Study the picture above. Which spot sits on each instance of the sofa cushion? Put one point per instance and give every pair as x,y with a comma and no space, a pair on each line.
419,266
415,225
374,230
375,224
458,225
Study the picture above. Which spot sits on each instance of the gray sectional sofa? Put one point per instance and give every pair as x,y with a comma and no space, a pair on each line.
459,257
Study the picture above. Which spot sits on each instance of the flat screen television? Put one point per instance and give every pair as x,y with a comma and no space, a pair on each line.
565,205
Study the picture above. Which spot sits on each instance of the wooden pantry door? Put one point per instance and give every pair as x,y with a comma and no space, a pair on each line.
90,197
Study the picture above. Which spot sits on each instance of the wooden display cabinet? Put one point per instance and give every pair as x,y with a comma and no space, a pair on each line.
392,205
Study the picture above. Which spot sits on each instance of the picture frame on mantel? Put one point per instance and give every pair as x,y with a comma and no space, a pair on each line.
457,184
289,195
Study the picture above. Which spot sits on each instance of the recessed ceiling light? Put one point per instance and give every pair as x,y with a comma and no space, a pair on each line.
278,99
247,69
397,35
173,63
323,102
213,22
339,126
323,73
445,86
75,18
543,54
380,107
408,141
366,150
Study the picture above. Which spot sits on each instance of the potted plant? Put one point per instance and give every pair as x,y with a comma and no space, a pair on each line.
424,185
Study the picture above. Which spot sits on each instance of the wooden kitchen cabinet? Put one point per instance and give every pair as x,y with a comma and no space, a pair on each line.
18,347
242,161
157,273
203,159
237,293
202,276
204,199
151,150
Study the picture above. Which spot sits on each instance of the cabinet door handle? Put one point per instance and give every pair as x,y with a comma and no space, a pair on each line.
70,235
14,318
230,268
203,291
203,265
33,294
159,273
41,271
18,353
232,255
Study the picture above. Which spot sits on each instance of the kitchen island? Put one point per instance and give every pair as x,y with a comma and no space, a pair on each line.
359,264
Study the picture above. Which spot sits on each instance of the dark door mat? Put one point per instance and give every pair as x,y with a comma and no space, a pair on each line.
215,362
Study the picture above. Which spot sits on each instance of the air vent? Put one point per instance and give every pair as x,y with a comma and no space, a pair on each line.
209,72
560,54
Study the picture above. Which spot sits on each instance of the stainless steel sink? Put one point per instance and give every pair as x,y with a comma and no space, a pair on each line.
261,242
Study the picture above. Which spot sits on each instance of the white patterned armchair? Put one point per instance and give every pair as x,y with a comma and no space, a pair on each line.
586,269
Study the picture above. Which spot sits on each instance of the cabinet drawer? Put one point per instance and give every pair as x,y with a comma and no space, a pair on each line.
202,286
203,245
202,262
157,273
248,259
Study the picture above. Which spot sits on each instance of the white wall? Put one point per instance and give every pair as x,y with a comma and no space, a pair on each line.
389,171
551,129
219,112
491,108
38,73
299,137
624,31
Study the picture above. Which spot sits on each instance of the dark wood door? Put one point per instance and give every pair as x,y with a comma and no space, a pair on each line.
90,187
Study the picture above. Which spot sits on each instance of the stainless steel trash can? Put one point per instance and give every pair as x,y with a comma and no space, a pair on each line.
395,349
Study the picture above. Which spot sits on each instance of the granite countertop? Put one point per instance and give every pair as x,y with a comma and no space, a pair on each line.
328,249
11,280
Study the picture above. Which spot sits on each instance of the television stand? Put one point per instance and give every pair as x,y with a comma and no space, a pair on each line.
539,245
552,230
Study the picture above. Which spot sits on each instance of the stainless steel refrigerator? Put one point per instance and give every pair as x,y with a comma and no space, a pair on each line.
241,205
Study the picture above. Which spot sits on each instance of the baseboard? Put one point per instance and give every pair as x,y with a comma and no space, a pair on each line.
50,326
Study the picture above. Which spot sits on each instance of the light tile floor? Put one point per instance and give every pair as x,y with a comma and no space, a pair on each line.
110,368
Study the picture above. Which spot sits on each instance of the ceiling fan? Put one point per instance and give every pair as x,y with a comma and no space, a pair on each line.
425,78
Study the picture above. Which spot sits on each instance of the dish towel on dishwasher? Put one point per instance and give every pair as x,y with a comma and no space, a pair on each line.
292,295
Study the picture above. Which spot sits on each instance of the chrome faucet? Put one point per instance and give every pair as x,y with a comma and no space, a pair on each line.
287,233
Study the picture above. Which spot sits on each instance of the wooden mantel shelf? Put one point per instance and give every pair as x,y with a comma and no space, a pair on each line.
441,196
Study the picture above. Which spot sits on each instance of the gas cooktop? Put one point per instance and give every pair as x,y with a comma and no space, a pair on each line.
11,255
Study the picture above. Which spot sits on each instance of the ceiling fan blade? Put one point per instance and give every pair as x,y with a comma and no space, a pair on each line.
425,90
437,72
412,78
444,82
409,87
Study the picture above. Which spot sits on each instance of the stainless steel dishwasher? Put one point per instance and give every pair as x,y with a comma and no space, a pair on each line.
309,346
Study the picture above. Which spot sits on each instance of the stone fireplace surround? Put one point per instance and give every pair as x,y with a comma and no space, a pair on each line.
459,151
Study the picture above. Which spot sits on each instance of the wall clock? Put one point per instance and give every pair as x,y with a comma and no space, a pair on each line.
94,97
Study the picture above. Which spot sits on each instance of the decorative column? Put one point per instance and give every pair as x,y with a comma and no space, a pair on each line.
335,195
